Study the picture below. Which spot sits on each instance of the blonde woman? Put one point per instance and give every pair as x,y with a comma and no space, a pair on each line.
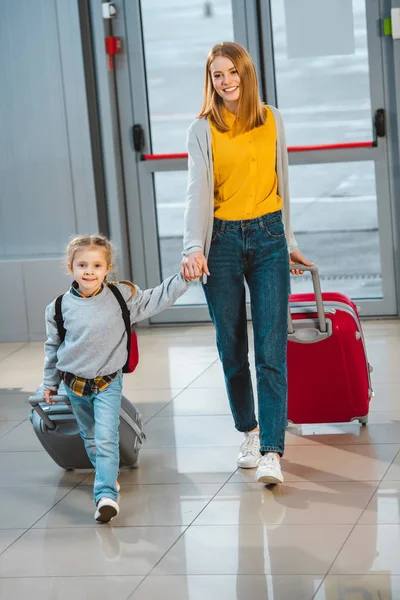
237,229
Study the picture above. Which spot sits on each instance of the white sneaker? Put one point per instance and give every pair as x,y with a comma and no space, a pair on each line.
106,510
249,454
269,469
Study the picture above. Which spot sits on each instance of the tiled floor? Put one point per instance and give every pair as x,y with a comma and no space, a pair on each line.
191,526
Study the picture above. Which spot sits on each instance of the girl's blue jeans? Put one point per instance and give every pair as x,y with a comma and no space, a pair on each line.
98,420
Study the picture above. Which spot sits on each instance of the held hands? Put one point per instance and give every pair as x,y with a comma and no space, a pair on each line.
296,257
47,395
193,265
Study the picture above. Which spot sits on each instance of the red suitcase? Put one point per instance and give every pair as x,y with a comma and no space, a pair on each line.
325,339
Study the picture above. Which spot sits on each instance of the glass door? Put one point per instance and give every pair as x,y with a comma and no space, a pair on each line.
328,91
167,44
329,88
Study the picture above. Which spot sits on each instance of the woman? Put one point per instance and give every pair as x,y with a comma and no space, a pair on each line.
237,228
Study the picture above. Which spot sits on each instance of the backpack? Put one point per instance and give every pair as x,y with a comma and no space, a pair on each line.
132,343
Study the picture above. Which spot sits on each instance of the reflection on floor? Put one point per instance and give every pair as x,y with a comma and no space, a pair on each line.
191,526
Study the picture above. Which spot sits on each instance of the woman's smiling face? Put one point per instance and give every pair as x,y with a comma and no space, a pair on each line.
226,80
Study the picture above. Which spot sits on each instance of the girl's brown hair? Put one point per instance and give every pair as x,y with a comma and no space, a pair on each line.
250,112
80,242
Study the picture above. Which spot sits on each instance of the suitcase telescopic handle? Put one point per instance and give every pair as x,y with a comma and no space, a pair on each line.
318,298
35,402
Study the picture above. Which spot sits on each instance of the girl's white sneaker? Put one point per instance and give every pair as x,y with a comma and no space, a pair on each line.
269,469
106,510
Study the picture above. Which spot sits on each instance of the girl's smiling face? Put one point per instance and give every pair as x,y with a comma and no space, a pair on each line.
89,268
226,81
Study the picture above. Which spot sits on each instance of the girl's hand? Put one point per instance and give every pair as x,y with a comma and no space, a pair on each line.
296,257
47,395
193,265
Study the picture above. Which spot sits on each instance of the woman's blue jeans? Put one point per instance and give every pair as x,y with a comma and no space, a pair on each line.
255,251
98,420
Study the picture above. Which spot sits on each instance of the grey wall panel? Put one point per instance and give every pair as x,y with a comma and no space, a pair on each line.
36,203
13,320
47,188
40,290
77,117
46,168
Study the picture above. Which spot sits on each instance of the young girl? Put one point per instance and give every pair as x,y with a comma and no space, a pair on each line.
91,358
237,227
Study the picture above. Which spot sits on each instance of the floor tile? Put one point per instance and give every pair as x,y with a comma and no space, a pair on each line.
176,348
6,426
181,432
384,506
386,396
382,355
198,402
21,439
251,549
168,375
149,402
228,587
370,549
65,588
24,368
14,404
7,349
213,377
140,505
181,465
87,551
8,537
376,329
297,503
27,469
364,587
247,541
20,510
383,416
393,473
332,463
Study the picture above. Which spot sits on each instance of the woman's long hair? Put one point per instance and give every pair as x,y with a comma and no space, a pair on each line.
250,112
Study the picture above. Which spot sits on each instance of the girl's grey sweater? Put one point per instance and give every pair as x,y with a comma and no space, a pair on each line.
95,342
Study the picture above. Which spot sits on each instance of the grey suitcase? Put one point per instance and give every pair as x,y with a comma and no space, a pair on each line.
56,427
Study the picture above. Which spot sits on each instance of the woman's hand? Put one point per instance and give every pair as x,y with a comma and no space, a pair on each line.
296,257
193,265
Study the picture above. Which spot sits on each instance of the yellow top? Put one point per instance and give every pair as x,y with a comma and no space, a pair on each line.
245,180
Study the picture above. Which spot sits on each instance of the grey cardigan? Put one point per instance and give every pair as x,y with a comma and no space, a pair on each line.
199,213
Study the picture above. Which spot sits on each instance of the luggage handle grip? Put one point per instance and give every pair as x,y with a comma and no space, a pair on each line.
318,298
35,402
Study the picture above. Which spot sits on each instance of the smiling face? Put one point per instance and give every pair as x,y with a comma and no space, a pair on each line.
226,81
89,268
